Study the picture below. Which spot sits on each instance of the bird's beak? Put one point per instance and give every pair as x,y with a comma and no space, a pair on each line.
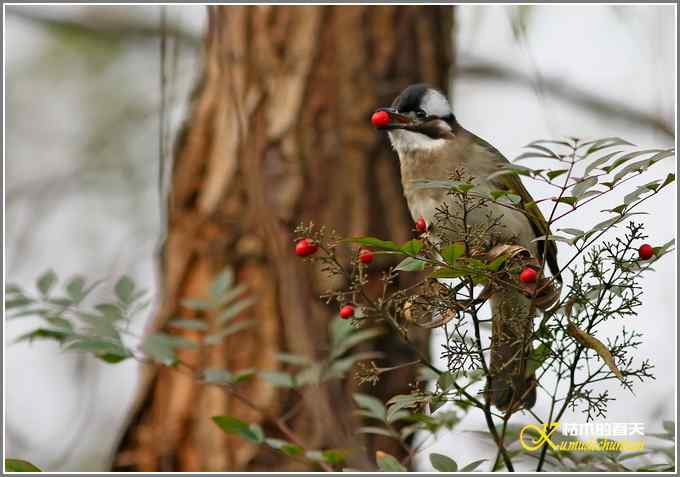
397,120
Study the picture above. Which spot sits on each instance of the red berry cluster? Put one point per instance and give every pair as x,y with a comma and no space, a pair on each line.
305,248
380,119
645,251
365,255
421,225
346,311
528,275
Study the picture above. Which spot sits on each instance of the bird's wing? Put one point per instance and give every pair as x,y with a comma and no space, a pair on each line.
512,183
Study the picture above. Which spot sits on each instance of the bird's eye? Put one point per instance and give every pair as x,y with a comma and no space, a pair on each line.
420,114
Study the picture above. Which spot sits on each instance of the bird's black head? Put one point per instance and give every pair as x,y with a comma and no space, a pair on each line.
423,109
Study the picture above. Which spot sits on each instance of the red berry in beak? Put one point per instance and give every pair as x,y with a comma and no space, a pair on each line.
346,311
646,252
421,225
365,255
380,119
305,248
528,275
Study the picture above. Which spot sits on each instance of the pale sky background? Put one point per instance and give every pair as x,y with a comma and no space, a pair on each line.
81,159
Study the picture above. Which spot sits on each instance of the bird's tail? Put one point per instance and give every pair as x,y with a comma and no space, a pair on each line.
509,386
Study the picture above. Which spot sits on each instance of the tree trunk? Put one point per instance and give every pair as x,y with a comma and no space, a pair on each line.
279,134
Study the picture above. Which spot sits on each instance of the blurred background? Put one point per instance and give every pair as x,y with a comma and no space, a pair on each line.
82,147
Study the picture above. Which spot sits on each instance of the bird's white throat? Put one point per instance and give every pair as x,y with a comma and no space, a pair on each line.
405,142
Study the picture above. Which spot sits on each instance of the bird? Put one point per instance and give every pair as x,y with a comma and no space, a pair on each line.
431,145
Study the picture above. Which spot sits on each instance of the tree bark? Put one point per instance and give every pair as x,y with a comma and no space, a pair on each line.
279,134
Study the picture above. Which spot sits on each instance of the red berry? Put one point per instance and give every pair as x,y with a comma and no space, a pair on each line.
365,255
380,119
528,275
346,311
646,251
305,248
421,225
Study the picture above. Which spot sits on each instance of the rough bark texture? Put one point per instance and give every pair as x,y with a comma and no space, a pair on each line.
279,133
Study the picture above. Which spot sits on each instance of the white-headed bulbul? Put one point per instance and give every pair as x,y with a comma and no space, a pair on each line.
431,145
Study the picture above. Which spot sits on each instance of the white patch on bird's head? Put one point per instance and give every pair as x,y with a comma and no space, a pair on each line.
435,103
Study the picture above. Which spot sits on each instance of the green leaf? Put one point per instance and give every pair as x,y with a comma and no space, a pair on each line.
400,402
124,288
497,263
108,348
110,311
552,238
339,331
472,465
376,243
101,326
556,173
377,430
197,325
232,294
635,195
278,379
18,302
412,247
445,272
217,376
18,465
446,380
436,402
196,304
443,463
46,281
532,155
221,284
669,178
232,425
499,194
63,301
233,310
388,463
373,406
74,289
512,169
286,447
334,456
604,143
574,232
566,200
410,264
161,347
641,166
582,186
452,252
353,339
43,333
243,375
112,358
217,338
330,456
598,162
